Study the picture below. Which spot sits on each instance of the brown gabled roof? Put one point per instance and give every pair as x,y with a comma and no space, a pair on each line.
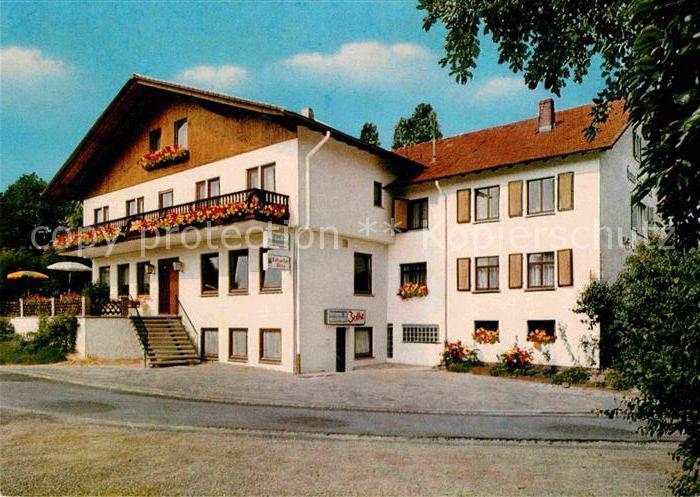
137,86
514,143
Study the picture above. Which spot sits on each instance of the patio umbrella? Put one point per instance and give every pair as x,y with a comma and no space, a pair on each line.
28,275
70,267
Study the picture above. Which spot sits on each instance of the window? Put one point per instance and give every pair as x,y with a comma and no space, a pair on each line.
486,206
210,343
103,275
207,189
238,344
540,196
210,273
165,199
377,194
270,279
363,342
181,133
637,145
143,278
363,274
271,345
547,326
487,325
154,140
266,172
418,214
421,333
414,273
101,215
487,273
389,341
123,280
540,270
238,271
134,206
642,218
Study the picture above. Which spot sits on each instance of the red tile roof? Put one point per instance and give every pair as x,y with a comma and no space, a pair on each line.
514,143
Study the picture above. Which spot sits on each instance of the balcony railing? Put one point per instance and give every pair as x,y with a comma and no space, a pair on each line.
254,203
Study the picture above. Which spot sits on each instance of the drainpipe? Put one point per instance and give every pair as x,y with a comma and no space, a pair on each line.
444,196
297,262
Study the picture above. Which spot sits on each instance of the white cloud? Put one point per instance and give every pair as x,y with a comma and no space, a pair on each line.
226,77
29,64
498,87
368,62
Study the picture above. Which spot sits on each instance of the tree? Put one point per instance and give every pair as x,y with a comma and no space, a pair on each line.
369,134
649,52
651,310
421,127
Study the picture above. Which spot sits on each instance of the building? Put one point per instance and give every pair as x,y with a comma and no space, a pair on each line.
281,242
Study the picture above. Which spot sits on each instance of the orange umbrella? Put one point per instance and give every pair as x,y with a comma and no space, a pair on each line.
27,274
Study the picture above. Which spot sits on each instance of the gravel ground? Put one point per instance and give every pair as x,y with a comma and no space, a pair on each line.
385,388
41,456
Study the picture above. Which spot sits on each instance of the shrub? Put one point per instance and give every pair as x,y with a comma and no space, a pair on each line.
458,358
17,350
572,376
57,333
7,329
96,291
516,360
615,380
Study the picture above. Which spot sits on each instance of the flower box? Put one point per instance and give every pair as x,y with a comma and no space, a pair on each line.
163,157
410,290
86,237
540,337
486,336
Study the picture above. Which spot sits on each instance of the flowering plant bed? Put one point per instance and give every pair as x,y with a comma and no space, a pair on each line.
458,358
163,157
485,336
69,296
86,237
517,360
410,290
539,338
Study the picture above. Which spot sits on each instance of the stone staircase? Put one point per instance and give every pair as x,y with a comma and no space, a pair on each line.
165,341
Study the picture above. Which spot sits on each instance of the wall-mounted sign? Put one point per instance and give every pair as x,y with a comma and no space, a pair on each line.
277,261
275,240
345,316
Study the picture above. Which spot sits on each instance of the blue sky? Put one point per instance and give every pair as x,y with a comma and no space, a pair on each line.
352,61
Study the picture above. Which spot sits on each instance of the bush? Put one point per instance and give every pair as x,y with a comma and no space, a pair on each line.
58,333
571,376
616,381
458,358
7,329
17,350
516,360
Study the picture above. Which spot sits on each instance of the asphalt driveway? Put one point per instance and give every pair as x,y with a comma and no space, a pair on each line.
391,388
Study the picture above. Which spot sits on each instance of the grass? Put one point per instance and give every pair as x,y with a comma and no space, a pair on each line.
16,351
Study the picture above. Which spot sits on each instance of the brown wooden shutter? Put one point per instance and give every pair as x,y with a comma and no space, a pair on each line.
401,213
464,206
565,190
463,274
515,198
565,267
515,271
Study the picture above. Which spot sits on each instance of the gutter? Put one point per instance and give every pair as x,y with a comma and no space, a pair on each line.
444,196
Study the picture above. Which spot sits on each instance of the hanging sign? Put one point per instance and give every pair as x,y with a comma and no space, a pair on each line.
277,261
345,316
275,240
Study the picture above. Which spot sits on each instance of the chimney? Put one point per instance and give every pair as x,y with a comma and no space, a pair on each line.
545,116
307,112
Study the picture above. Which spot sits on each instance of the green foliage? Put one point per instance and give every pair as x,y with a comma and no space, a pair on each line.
458,358
57,333
421,127
654,313
573,376
597,303
648,52
7,329
17,351
617,381
96,291
370,134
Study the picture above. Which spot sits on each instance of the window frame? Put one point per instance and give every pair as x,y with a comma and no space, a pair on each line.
104,212
489,268
138,203
420,333
541,266
532,325
235,254
270,360
368,261
205,186
377,192
143,278
363,355
390,340
160,198
406,269
260,171
155,136
262,272
122,284
232,356
541,210
176,137
489,215
424,223
104,270
202,257
203,353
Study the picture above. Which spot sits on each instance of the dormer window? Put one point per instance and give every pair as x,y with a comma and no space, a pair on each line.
181,133
154,140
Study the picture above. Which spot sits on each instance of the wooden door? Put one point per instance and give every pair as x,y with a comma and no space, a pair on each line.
168,283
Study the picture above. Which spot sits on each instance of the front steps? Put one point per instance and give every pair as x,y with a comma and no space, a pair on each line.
165,341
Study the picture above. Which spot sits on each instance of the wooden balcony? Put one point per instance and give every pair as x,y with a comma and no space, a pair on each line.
248,205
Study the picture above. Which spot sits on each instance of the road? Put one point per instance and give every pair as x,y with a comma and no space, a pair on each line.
56,398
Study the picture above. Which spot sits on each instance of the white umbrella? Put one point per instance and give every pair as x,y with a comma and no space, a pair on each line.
71,267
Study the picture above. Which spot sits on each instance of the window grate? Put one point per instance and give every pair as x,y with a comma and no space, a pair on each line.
421,333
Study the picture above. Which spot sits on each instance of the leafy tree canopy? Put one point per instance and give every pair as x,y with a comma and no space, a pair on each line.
370,134
421,127
648,51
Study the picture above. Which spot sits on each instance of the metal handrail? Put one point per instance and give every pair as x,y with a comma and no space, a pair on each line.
197,344
143,337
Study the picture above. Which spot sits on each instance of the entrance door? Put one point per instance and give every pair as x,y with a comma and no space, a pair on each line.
168,281
340,350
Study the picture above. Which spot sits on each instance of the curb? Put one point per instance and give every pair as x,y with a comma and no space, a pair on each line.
146,392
